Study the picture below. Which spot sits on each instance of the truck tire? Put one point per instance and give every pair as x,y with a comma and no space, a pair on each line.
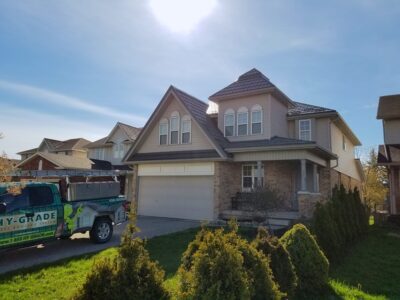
101,231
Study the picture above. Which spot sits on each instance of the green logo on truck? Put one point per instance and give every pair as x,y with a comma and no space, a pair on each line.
12,223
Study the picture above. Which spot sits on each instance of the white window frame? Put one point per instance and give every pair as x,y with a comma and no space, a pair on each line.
162,123
310,131
229,112
186,119
256,108
344,143
174,115
242,110
253,176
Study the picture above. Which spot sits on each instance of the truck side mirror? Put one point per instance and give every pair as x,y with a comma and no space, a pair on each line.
3,208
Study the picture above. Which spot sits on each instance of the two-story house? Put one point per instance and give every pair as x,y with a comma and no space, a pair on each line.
54,154
389,153
189,163
114,146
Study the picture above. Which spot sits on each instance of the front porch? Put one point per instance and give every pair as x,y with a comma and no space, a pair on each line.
299,185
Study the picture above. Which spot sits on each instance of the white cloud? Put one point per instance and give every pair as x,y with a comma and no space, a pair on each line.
24,129
58,99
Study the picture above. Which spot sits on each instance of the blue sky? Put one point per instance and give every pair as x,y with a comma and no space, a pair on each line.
73,68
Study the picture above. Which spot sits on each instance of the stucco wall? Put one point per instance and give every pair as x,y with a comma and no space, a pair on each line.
274,116
151,143
346,163
391,130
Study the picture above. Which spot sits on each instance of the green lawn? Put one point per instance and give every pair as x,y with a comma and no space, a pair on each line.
370,271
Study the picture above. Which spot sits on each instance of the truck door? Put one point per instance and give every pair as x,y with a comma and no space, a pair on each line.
30,216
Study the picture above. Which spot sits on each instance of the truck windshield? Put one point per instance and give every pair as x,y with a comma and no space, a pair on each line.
15,202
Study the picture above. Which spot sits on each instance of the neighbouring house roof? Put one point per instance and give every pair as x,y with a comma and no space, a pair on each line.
300,109
389,107
34,150
99,143
389,154
62,161
56,145
131,132
72,144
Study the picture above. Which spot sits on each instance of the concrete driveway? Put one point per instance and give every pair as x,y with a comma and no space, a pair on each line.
80,244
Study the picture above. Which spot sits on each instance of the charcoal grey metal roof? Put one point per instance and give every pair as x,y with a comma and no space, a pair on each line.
198,109
252,80
304,109
274,141
175,155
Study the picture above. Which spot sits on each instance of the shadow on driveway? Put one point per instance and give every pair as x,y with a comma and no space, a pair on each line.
79,244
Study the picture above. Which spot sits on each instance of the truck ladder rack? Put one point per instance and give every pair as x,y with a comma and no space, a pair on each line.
68,173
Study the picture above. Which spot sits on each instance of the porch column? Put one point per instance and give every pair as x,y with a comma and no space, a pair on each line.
259,175
303,175
315,179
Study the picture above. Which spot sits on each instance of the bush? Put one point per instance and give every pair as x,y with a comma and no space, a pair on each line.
340,221
310,263
220,265
130,275
280,262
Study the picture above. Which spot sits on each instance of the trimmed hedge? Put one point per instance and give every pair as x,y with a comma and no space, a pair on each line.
340,221
281,263
309,261
221,265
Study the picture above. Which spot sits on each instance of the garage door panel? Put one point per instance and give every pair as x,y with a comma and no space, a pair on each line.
186,197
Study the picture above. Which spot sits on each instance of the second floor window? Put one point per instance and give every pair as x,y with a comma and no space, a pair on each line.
186,130
119,150
344,144
163,133
229,123
256,120
305,130
174,138
242,122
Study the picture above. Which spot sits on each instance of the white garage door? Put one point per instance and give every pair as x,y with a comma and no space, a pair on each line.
185,197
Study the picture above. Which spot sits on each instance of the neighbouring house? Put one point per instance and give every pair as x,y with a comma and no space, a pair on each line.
112,149
71,147
389,153
52,161
190,164
115,145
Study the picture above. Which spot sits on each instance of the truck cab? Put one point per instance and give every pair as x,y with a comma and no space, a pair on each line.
37,212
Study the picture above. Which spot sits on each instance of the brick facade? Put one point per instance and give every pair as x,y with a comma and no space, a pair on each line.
281,175
227,182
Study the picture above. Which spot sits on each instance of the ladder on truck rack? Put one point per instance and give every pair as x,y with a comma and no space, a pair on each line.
68,173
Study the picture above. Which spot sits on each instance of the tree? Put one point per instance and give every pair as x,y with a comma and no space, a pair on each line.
6,165
374,189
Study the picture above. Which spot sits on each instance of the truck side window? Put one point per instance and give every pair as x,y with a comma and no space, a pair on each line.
40,196
15,202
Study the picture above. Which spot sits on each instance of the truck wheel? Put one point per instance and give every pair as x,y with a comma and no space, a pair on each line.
102,231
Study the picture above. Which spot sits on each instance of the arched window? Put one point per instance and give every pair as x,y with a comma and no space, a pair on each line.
229,122
256,119
242,121
174,128
163,132
186,130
